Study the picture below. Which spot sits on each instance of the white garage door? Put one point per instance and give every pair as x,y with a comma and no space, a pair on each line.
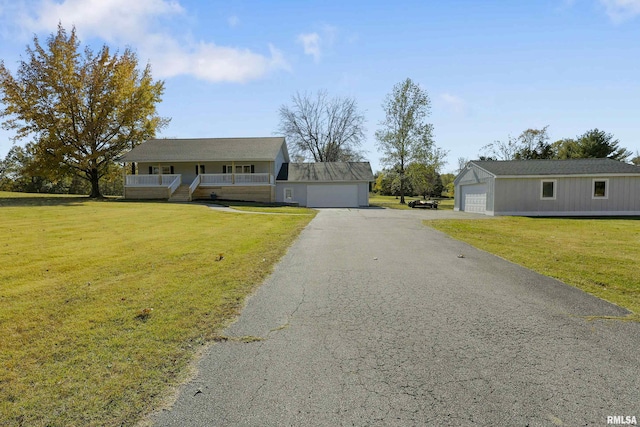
332,196
474,198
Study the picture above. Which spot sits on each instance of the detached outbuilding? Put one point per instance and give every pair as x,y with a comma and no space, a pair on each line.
580,187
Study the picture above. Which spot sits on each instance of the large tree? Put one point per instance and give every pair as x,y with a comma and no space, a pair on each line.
82,109
322,129
594,143
405,136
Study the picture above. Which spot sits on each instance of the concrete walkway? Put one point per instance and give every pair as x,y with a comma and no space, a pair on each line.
373,319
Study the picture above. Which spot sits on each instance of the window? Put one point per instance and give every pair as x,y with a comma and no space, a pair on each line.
548,189
288,193
600,188
239,169
162,170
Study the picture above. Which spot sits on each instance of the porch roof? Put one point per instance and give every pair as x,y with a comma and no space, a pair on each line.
207,150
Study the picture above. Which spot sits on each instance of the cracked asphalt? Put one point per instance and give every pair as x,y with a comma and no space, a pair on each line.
372,319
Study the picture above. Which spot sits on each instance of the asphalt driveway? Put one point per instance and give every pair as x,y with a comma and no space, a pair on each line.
373,319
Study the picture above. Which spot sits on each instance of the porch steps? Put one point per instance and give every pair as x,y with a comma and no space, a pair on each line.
181,194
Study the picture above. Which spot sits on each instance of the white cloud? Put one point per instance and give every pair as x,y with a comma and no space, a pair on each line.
621,10
315,44
131,22
454,103
311,44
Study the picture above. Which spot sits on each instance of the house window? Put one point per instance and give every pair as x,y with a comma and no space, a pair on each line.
165,170
239,169
548,189
600,188
288,193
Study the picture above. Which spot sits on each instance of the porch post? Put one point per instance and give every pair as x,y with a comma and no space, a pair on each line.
124,180
233,172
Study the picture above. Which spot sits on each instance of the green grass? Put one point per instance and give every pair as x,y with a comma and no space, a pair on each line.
599,256
392,203
104,303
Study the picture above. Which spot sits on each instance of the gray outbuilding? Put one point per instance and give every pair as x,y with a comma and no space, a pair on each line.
578,187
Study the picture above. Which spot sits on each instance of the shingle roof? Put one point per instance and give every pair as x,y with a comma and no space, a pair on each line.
326,172
556,167
205,149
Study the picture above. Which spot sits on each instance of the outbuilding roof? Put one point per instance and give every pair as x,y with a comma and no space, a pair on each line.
207,149
326,172
556,167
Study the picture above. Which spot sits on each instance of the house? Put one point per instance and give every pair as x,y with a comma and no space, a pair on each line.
251,169
580,187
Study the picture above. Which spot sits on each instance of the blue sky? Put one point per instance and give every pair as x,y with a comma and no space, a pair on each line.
491,68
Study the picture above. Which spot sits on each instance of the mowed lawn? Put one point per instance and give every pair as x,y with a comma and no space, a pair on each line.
103,304
599,256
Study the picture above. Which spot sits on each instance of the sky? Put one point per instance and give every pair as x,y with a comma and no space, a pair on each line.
491,69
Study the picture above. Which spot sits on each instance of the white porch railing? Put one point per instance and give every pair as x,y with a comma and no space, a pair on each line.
173,186
152,180
173,181
215,179
194,185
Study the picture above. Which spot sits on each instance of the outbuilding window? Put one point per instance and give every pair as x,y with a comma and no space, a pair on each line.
548,189
600,188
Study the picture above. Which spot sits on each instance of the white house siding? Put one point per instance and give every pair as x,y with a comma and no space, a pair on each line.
574,196
299,192
363,194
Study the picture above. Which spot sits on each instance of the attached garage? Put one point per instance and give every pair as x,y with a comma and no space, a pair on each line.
332,196
473,198
325,185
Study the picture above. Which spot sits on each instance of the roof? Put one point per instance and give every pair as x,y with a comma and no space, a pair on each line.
206,149
556,167
326,172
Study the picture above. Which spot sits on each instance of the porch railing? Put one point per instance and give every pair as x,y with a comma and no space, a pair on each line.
152,180
173,186
213,179
194,185
209,179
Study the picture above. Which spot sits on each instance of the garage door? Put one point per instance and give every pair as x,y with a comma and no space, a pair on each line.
332,196
474,198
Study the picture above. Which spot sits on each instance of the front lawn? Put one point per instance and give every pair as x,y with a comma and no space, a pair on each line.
103,304
600,256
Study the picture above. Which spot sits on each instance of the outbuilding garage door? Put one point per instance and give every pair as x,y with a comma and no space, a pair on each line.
474,198
332,196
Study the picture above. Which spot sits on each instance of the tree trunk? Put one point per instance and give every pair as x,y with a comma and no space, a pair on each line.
95,187
402,202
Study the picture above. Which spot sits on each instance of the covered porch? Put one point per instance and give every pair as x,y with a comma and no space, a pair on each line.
170,186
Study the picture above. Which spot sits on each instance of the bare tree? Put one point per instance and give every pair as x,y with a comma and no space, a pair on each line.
323,129
462,163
